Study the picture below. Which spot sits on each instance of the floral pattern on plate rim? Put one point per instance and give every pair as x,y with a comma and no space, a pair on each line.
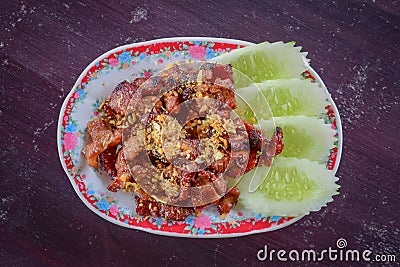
106,205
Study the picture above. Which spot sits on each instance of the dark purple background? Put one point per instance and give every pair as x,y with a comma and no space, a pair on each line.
45,45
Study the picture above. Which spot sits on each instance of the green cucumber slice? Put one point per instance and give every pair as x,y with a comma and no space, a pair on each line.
285,98
303,137
292,187
265,61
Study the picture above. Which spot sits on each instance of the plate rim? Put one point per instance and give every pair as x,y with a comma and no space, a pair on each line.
187,235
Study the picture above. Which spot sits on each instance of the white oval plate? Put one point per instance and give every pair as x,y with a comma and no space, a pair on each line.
97,82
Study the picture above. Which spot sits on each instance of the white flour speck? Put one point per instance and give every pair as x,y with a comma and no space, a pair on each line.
38,132
17,17
4,207
138,14
352,106
3,215
53,105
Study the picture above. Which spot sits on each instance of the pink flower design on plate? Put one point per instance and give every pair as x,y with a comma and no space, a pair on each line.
197,52
70,141
113,62
114,210
81,186
147,74
202,221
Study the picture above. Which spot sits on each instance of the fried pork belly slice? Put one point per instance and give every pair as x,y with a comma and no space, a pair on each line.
142,107
120,98
226,203
139,81
151,88
123,173
220,183
262,149
170,100
199,189
117,104
157,209
222,93
238,163
126,96
176,75
202,189
107,160
134,144
239,156
277,141
125,178
217,74
219,166
218,83
91,151
256,139
204,90
102,138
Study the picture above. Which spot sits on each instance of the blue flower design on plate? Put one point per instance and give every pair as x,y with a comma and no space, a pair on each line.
258,216
190,219
97,104
103,204
209,53
71,128
274,219
125,57
142,56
